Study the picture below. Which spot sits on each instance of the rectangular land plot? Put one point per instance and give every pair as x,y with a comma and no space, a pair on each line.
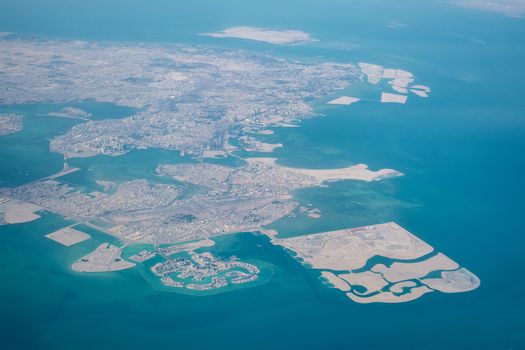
68,236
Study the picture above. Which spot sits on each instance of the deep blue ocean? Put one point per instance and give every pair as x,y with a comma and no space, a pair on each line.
462,151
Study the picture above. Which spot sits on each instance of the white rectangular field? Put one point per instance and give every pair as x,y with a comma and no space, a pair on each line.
393,98
343,100
68,236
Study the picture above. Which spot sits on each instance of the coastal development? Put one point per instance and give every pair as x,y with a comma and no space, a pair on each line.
202,272
10,123
228,199
105,258
14,211
209,105
344,259
68,236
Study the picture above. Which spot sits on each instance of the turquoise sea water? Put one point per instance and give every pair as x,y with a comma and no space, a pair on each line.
25,155
461,150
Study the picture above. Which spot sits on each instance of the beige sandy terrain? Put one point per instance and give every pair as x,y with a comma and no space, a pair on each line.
103,259
458,281
398,287
356,172
373,72
335,281
399,80
17,212
371,281
350,249
387,97
405,271
419,93
343,100
282,37
388,297
421,87
401,90
68,236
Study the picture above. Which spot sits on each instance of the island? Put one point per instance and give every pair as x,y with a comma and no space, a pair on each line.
103,259
68,236
203,272
212,106
345,261
278,37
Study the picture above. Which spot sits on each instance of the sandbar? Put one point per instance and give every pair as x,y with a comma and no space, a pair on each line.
373,72
421,87
355,172
419,93
278,37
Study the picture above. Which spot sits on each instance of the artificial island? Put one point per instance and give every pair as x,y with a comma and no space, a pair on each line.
209,105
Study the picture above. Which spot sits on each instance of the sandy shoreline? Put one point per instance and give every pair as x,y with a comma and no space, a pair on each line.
355,172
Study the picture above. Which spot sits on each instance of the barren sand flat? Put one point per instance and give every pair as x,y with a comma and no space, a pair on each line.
356,172
283,37
405,271
188,247
388,297
345,251
389,73
458,281
393,98
343,100
68,236
401,90
350,249
373,72
419,93
335,281
103,259
398,287
17,212
373,282
399,79
402,78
